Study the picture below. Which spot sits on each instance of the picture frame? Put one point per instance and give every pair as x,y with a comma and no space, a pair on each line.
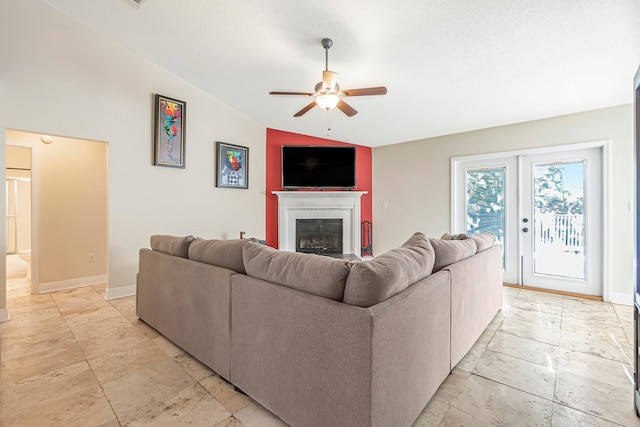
169,132
232,166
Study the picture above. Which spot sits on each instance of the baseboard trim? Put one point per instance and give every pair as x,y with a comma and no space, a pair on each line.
551,291
4,315
72,283
120,292
616,297
623,299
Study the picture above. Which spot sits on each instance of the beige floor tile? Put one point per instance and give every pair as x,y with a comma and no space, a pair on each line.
78,300
539,301
68,396
191,406
492,403
192,366
457,418
564,416
126,306
469,361
595,397
254,415
599,339
225,393
125,361
526,349
153,382
230,422
32,342
112,341
585,309
532,378
597,386
452,385
432,414
533,325
45,357
105,313
34,322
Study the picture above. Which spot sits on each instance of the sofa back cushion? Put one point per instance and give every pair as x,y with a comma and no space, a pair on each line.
376,280
172,245
450,251
315,274
223,253
483,240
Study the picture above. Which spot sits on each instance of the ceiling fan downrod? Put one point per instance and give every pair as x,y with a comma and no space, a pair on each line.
326,44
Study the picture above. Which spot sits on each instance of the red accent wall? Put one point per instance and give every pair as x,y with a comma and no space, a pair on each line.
275,140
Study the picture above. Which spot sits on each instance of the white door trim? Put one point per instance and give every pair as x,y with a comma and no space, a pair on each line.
35,212
457,162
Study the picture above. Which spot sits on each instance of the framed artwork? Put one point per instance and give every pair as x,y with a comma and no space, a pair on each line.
169,136
232,166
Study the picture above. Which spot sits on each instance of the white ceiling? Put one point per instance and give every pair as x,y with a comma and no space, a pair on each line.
449,65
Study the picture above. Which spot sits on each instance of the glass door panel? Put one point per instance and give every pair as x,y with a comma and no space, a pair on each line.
485,203
558,219
561,221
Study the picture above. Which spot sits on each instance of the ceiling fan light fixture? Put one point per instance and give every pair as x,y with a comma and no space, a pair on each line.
327,102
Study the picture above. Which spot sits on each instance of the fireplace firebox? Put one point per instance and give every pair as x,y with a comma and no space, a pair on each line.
319,236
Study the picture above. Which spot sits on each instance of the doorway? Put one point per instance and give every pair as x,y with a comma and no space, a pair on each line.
545,208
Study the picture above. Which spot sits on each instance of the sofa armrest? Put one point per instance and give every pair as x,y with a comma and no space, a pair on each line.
317,362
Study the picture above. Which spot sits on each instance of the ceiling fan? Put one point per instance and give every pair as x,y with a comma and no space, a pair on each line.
328,94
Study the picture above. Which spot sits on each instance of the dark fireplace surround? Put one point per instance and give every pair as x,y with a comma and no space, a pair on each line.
319,236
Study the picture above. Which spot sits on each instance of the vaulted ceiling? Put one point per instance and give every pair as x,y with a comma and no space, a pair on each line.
449,66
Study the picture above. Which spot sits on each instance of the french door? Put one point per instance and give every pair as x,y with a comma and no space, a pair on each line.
545,209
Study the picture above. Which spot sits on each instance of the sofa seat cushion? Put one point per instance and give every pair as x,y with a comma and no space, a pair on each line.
450,251
315,274
222,253
376,280
172,245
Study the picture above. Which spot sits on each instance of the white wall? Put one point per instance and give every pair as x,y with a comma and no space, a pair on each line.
414,178
60,78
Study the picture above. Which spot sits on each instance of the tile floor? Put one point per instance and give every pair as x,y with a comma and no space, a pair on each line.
72,358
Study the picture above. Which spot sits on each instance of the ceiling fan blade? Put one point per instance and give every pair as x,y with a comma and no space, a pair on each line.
291,93
381,90
305,109
346,108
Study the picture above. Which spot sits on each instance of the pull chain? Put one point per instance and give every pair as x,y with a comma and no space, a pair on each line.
328,123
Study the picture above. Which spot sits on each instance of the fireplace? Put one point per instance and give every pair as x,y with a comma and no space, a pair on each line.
319,236
344,205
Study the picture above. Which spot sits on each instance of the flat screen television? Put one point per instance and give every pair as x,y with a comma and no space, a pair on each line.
318,166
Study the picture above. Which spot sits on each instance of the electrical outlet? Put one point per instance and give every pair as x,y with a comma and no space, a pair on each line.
92,257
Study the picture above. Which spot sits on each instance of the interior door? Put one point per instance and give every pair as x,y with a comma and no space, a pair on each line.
561,221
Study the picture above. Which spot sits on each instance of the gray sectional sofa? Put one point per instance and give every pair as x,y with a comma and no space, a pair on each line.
321,341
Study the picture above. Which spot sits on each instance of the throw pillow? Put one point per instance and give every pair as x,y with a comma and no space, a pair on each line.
172,245
376,280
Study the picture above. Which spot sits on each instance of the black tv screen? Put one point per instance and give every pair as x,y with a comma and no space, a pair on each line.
318,166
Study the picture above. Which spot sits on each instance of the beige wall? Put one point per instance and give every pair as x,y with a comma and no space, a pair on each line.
72,206
59,78
414,178
19,167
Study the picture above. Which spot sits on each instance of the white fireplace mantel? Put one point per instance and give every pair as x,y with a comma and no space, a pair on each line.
344,205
